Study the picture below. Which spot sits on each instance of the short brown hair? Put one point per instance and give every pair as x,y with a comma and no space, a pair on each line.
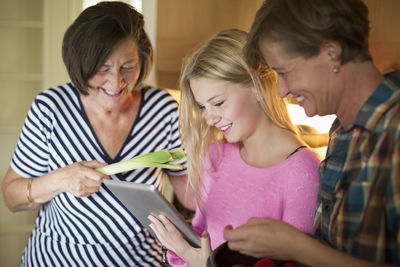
302,26
91,37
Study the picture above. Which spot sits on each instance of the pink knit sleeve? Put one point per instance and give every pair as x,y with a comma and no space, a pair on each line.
301,192
174,260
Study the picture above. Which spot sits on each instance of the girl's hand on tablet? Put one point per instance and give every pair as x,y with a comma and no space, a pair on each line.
168,234
173,240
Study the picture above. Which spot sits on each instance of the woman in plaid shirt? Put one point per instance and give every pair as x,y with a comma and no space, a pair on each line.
319,50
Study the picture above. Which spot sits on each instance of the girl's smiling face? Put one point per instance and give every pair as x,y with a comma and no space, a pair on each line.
230,107
116,78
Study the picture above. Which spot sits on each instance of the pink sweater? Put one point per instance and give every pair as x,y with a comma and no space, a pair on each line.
235,192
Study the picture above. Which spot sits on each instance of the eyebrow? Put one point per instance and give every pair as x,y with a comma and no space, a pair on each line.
126,62
213,97
208,100
277,68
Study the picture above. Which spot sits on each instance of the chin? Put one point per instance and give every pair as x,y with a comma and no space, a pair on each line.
309,112
231,140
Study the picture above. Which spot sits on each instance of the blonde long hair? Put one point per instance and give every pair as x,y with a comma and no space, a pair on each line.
222,58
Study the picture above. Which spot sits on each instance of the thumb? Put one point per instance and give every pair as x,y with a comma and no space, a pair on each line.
206,242
227,230
93,164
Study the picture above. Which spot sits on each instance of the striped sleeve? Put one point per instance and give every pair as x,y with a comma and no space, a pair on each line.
30,158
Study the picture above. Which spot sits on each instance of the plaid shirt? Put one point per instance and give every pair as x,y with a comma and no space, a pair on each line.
358,209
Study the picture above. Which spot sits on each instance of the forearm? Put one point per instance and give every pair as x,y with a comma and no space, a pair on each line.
313,253
80,179
15,191
268,238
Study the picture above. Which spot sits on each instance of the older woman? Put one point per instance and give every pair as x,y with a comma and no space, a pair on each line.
104,115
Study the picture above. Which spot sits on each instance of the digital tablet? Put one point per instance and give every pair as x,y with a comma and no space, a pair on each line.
143,199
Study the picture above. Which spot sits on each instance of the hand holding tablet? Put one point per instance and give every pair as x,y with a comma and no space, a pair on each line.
143,200
168,234
173,240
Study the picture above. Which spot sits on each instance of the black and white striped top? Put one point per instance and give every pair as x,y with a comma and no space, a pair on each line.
95,230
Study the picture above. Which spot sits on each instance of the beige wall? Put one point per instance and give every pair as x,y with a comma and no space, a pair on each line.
30,49
385,33
184,25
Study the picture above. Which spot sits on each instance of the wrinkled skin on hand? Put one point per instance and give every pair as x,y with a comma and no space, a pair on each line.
80,178
264,238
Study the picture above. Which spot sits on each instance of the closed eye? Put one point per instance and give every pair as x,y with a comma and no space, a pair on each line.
104,69
128,67
282,74
219,104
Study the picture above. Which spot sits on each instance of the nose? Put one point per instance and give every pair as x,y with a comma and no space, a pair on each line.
211,118
116,80
283,91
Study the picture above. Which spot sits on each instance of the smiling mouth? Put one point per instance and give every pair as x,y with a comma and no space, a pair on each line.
112,93
225,129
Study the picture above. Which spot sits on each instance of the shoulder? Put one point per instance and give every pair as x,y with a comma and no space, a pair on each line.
52,104
387,117
58,93
222,153
383,106
305,156
393,77
158,101
222,147
158,95
54,98
304,164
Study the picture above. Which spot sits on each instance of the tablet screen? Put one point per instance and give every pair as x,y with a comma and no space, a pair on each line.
143,199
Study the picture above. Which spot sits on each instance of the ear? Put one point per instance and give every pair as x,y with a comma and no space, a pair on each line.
332,49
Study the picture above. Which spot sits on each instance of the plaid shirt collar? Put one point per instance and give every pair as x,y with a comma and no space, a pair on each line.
373,110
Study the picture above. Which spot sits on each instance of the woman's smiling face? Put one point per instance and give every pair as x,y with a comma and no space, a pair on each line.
230,107
117,77
307,80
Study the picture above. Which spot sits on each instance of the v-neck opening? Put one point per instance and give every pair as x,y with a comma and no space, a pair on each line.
107,157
